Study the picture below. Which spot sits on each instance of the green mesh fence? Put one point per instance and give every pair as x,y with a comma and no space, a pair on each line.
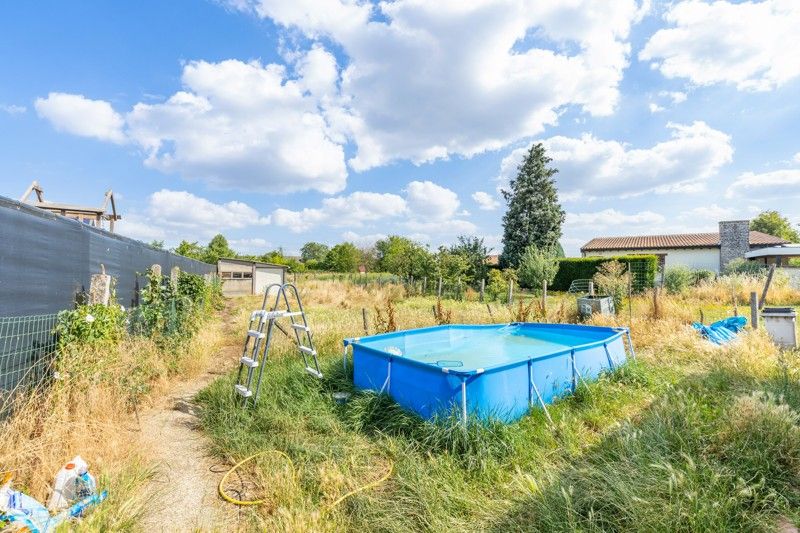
27,350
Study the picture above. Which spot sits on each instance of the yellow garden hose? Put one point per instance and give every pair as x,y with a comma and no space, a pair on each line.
328,507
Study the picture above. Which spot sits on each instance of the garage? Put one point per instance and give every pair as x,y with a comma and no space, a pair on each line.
243,278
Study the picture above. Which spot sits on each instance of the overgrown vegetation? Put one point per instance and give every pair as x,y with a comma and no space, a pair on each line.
690,437
104,370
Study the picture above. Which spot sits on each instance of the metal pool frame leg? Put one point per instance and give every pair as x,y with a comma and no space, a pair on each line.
574,371
464,401
533,388
608,355
387,385
630,343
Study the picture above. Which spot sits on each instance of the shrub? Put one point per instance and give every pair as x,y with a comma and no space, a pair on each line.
536,266
497,288
611,280
677,279
644,268
90,325
702,275
741,265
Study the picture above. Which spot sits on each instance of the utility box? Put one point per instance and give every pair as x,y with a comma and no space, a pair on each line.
589,305
780,323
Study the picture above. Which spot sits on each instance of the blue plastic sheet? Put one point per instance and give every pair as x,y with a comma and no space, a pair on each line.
722,331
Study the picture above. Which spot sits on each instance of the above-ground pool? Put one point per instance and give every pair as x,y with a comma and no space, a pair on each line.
488,371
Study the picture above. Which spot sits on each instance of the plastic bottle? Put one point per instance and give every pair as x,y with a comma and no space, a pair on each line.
69,484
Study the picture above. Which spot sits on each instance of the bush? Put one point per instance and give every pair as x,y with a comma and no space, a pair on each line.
677,279
741,265
497,288
572,268
611,280
536,266
702,275
90,325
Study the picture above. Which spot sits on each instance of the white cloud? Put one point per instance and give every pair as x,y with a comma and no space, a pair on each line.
750,44
13,109
244,125
431,201
485,201
775,184
589,167
362,240
796,157
342,211
655,108
677,97
612,217
713,213
137,226
254,245
452,227
78,115
425,80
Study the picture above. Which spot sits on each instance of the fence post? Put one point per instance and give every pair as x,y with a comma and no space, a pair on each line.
364,318
100,287
754,310
483,287
424,284
630,295
591,288
510,292
544,299
440,288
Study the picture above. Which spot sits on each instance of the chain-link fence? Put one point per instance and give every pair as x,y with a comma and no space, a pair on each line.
27,350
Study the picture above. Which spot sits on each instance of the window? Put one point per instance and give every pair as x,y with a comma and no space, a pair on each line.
226,275
237,275
248,275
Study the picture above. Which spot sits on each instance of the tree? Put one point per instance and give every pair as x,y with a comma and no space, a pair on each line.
217,248
190,249
537,265
474,253
315,251
343,257
773,223
158,245
534,215
404,257
451,267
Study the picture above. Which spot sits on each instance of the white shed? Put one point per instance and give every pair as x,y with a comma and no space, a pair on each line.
241,277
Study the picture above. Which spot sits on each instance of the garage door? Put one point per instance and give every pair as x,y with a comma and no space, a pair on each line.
267,276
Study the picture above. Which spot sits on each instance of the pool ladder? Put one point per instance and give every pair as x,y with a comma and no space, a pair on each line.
258,339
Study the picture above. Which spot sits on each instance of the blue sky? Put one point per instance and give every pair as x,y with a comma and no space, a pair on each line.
279,122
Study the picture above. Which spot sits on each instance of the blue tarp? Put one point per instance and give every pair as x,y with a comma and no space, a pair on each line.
722,331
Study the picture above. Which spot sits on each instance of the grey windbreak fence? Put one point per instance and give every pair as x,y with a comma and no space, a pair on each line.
46,264
47,260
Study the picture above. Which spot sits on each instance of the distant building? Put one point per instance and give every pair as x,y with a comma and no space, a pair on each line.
93,216
711,251
240,277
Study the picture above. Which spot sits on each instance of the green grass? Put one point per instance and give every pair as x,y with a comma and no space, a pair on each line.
654,446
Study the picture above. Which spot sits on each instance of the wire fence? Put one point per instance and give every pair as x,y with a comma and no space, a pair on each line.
27,351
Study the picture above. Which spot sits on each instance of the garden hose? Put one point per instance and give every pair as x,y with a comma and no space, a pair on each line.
327,507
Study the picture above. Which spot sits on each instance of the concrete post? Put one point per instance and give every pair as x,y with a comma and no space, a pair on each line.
100,288
754,310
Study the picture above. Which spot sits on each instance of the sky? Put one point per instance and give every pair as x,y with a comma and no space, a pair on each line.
277,122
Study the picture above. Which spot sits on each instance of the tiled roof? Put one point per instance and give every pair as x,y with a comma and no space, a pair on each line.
683,240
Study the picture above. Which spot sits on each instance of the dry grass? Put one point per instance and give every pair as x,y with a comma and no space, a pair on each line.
91,410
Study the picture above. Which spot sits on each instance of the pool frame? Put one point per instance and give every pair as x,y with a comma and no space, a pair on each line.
505,391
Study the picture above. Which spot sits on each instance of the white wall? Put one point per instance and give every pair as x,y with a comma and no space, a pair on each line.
266,276
707,258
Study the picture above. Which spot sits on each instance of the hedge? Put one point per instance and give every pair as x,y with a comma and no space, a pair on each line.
644,269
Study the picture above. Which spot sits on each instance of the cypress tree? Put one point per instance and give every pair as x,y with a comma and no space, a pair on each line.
533,216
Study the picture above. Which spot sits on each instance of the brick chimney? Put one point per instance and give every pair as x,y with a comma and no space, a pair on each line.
734,241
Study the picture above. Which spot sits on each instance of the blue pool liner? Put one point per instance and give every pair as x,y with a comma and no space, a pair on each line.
722,331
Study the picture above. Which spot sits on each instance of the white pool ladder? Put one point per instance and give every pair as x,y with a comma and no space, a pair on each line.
258,339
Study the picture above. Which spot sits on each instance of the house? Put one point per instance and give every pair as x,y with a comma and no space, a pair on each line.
241,277
711,251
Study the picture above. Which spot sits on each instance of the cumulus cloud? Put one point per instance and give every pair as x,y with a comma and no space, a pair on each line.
485,201
254,245
425,80
775,184
78,115
655,108
363,240
752,45
612,217
589,167
426,208
342,211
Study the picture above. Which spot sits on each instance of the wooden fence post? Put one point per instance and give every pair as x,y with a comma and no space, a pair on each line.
439,295
364,318
424,284
766,287
510,292
544,299
483,287
754,310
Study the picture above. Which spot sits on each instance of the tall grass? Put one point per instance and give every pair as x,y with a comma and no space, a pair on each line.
689,437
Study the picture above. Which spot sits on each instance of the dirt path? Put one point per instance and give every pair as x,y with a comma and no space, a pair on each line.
185,486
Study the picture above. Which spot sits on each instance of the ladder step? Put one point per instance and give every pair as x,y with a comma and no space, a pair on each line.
256,334
256,314
314,372
249,362
306,349
243,391
301,327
